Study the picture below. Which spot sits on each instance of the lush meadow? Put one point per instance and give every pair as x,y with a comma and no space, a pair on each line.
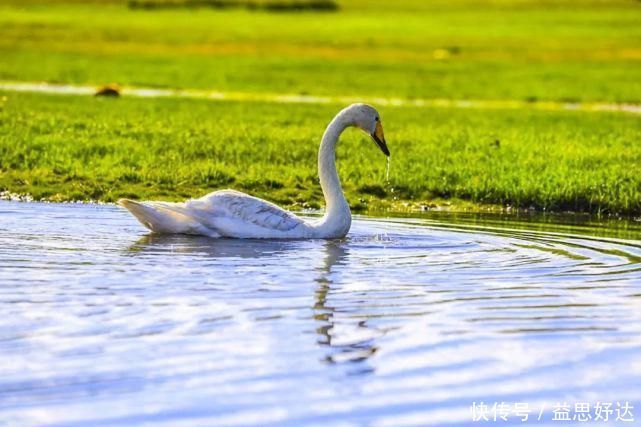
69,147
514,49
79,148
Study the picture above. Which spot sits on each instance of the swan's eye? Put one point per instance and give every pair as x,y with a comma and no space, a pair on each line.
376,118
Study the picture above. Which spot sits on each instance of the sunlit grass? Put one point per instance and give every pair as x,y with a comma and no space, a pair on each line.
568,50
75,148
78,148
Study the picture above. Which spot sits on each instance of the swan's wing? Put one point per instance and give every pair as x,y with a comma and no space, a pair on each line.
165,217
241,208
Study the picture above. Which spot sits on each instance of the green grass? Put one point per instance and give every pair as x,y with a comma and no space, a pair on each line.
521,49
78,148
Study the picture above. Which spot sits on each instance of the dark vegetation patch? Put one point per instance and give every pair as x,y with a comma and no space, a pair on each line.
373,189
266,5
111,90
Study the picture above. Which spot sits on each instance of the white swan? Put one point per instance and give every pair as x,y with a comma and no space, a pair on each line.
229,213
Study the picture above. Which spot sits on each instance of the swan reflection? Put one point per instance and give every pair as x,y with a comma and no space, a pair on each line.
336,253
214,248
347,338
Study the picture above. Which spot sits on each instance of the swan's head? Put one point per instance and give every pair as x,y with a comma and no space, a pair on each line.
366,117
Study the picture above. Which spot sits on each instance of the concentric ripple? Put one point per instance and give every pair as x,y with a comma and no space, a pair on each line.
405,322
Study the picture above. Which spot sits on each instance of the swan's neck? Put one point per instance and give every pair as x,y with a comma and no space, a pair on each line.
337,218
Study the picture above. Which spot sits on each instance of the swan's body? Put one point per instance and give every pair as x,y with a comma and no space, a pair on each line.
229,213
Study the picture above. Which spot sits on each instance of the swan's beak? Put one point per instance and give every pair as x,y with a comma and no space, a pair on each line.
379,138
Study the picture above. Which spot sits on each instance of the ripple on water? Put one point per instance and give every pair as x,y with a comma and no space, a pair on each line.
404,322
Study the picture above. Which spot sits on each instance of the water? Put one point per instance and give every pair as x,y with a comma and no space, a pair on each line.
406,322
291,98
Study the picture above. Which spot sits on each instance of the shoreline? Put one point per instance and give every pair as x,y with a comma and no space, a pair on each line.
380,209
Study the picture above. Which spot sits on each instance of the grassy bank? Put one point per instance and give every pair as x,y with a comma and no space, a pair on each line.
78,148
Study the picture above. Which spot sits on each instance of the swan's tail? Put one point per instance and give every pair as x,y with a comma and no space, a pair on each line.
166,218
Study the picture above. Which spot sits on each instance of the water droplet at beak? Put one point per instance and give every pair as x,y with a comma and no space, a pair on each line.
389,160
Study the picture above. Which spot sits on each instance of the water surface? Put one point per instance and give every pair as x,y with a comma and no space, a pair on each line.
405,322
